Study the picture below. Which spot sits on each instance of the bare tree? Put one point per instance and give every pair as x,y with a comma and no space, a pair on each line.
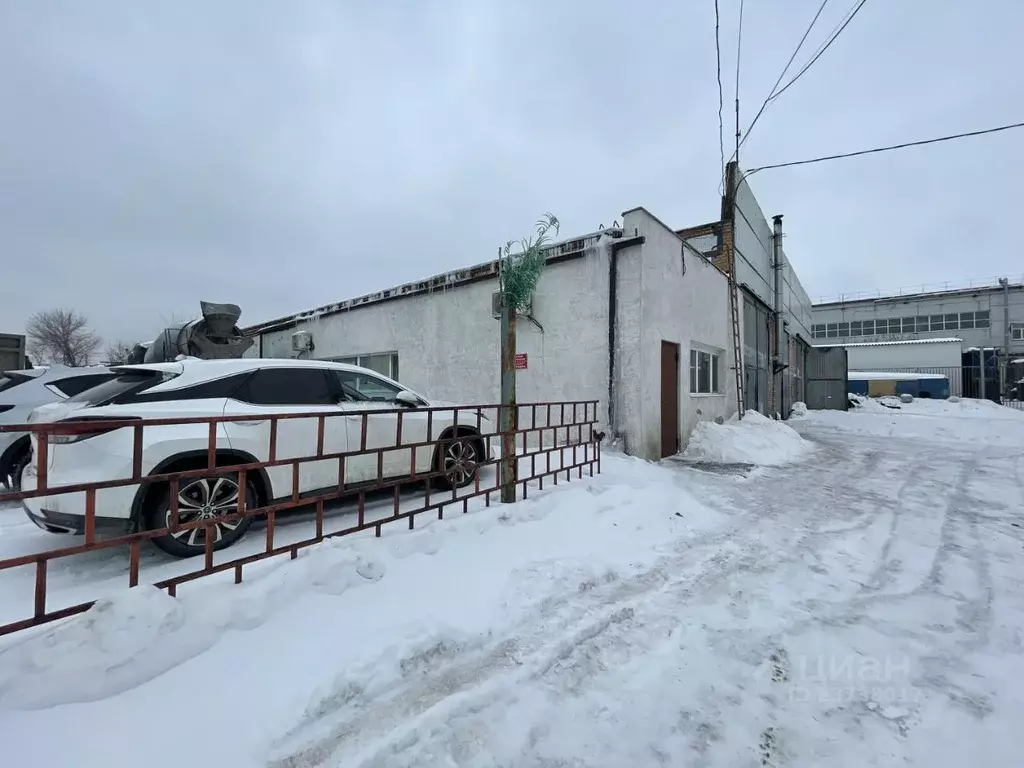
174,319
118,353
61,336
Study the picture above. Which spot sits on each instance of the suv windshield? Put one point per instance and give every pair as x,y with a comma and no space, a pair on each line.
114,390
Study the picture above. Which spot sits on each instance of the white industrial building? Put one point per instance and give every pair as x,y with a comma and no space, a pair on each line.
636,317
916,354
989,316
629,317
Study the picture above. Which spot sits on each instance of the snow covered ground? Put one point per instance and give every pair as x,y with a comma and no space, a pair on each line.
863,607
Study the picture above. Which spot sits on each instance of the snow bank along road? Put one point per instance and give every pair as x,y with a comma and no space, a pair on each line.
864,608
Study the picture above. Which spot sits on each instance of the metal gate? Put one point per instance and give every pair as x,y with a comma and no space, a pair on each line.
826,379
755,355
793,379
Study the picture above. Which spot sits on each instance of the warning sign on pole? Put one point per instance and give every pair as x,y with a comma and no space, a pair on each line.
520,361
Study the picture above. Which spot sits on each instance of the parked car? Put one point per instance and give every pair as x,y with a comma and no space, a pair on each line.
243,387
21,392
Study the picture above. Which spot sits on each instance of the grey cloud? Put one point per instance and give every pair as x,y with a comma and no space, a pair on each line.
288,155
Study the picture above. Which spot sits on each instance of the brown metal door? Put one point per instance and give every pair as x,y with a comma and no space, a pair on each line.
669,398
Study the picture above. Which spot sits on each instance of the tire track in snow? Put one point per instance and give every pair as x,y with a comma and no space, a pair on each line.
440,710
564,654
460,687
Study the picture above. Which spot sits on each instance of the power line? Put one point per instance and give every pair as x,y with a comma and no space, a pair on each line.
721,98
739,46
886,149
823,48
782,74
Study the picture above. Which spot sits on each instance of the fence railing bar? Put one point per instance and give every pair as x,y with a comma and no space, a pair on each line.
211,526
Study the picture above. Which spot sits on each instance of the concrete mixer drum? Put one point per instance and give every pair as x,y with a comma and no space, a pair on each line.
214,336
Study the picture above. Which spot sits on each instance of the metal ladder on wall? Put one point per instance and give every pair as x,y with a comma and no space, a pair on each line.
734,311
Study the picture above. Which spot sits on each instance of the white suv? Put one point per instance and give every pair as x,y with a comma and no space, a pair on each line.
21,392
243,387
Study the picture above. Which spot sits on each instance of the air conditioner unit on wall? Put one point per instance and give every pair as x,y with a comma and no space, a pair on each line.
496,306
302,341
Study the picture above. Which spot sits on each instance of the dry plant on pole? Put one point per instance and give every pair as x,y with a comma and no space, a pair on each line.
518,275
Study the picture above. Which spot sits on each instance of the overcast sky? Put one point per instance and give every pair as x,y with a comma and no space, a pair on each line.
283,155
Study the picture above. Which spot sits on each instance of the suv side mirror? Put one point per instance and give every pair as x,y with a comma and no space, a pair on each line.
408,399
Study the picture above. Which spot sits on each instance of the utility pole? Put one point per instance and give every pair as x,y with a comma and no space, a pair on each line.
509,416
518,275
729,220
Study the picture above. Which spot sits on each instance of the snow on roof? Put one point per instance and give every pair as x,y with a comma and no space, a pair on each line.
1018,361
558,251
891,376
893,343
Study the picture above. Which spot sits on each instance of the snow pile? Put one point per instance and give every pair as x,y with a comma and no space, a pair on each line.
754,439
118,644
136,635
799,409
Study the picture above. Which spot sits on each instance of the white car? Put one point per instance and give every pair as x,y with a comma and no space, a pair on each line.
244,387
21,392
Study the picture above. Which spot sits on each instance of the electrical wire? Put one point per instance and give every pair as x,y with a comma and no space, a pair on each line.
721,98
822,49
889,148
739,45
782,74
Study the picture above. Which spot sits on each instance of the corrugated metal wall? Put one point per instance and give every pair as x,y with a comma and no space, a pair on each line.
826,377
792,354
756,355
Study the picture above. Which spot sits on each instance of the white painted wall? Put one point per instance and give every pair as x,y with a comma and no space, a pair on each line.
685,306
930,354
448,342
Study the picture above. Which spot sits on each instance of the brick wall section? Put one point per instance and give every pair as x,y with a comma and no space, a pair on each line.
724,259
721,257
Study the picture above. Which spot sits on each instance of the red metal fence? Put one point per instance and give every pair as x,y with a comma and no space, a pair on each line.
551,438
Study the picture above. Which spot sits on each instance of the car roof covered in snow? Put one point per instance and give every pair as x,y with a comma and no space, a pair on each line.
191,370
237,365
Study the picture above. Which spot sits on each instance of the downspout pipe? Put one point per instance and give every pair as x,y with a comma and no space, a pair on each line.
777,301
613,299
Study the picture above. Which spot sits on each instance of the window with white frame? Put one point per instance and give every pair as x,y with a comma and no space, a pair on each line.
704,372
1017,332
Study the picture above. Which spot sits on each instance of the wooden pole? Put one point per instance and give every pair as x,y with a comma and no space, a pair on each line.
509,418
